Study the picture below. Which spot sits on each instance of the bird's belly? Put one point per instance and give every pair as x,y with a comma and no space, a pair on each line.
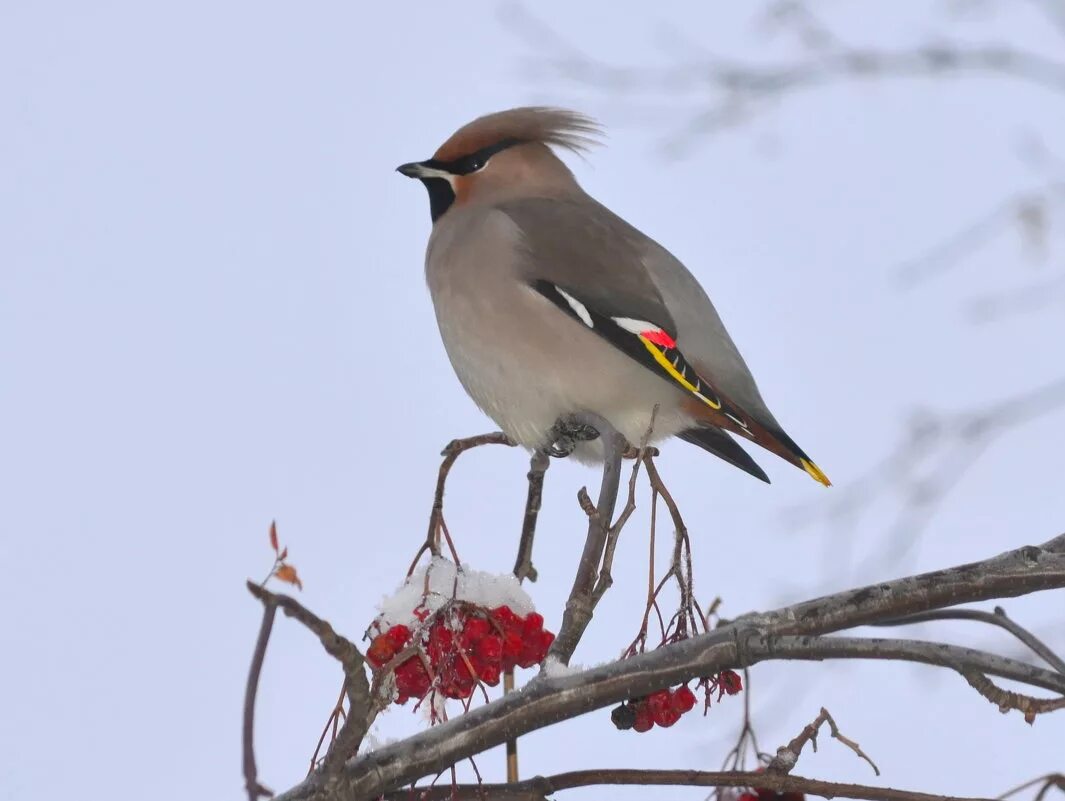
526,366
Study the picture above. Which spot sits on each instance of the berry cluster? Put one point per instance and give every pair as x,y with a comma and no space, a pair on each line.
459,646
662,708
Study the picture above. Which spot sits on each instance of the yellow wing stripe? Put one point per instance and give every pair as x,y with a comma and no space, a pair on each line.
815,471
674,373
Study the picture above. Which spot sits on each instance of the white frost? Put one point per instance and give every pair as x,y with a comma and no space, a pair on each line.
554,669
473,586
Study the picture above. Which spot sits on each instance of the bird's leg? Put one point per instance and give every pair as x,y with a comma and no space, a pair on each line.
566,433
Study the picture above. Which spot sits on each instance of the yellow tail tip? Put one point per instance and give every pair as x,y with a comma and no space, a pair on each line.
815,472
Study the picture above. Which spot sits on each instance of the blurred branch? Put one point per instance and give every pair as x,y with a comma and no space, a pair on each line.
1028,209
927,464
739,90
787,633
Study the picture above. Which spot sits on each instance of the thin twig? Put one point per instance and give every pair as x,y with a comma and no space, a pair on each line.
523,566
581,603
788,755
363,706
996,618
454,449
1006,700
251,776
1047,782
606,578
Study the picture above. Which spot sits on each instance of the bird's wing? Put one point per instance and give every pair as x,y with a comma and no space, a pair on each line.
723,446
591,265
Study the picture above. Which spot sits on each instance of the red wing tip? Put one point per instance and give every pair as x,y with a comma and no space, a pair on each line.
659,337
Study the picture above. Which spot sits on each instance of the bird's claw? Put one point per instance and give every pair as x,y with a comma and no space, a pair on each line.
566,434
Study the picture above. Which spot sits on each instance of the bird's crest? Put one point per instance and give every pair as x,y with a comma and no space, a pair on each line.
551,126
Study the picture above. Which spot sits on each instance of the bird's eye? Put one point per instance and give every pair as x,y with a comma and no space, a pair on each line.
476,163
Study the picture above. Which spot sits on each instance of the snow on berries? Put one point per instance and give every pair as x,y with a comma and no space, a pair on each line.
453,629
665,707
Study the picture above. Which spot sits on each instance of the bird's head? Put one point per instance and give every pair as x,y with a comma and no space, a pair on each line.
506,154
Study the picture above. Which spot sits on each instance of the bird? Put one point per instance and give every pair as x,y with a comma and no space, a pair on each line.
562,320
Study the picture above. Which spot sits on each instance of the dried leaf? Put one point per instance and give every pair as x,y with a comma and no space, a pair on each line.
273,536
287,574
283,555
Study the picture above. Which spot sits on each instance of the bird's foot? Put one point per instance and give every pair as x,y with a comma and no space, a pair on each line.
566,433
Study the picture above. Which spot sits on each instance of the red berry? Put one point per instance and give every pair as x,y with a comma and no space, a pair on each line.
643,721
489,674
399,636
683,700
667,717
543,643
381,650
474,630
729,681
457,681
659,703
506,619
412,679
533,623
512,649
489,649
441,643
748,797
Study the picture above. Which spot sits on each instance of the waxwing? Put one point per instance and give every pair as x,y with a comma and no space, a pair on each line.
561,319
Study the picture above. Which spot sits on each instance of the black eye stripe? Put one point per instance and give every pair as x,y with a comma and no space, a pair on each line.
473,161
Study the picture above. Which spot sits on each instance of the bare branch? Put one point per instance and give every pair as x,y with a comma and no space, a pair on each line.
788,755
746,641
996,618
523,566
363,708
1006,700
451,453
581,602
539,788
251,776
1047,782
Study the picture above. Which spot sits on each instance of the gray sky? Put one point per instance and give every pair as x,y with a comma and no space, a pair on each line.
212,314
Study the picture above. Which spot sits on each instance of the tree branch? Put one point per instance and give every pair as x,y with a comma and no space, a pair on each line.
251,775
1006,700
581,602
537,789
451,453
523,566
788,755
996,618
362,708
743,642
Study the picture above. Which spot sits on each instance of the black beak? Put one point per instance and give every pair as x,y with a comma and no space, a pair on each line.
411,170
